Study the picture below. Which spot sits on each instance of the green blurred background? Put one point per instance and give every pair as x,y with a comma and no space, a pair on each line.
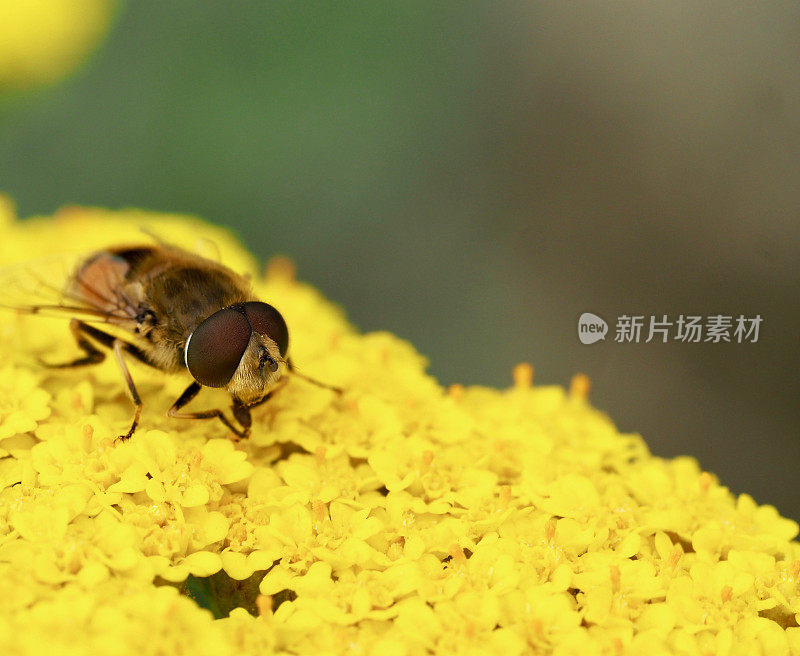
474,176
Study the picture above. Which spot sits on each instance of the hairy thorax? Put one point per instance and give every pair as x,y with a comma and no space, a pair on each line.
159,294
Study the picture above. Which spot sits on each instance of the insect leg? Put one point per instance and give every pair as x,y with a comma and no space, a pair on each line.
278,387
81,331
188,394
119,347
242,411
294,371
93,354
242,414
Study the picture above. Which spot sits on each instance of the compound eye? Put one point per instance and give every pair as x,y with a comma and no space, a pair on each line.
266,320
216,347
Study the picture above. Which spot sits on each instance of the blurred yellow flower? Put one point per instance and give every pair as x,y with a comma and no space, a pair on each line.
397,519
43,40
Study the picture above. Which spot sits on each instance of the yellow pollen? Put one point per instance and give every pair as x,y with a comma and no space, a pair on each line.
319,509
504,496
675,556
264,605
523,375
537,626
550,529
579,386
281,267
456,391
616,576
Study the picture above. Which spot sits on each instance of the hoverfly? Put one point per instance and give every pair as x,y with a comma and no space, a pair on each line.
180,311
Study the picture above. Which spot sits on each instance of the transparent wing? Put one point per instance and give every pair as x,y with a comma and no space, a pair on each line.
205,247
59,286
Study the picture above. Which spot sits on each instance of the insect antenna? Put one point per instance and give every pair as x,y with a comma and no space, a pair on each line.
293,369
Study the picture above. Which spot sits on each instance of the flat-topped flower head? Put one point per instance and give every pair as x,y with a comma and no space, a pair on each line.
397,517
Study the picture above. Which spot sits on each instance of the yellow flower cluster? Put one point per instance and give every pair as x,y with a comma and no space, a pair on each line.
43,40
398,519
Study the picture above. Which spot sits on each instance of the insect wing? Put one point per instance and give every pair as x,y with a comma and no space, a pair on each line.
67,285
